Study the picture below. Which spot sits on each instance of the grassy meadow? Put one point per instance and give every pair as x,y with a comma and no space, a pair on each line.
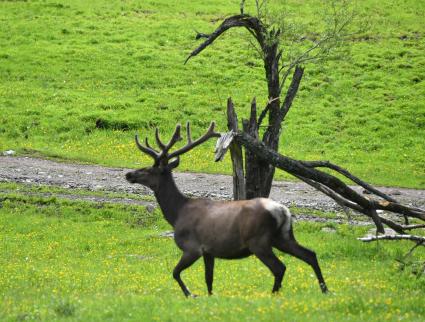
79,78
78,261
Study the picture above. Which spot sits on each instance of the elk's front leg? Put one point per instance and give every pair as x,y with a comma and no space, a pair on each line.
209,271
187,259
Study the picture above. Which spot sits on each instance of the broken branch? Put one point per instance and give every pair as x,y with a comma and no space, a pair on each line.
252,24
327,164
419,239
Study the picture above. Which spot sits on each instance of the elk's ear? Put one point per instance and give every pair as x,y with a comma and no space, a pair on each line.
174,163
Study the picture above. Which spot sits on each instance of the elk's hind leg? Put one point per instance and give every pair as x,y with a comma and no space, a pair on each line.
290,246
187,259
266,255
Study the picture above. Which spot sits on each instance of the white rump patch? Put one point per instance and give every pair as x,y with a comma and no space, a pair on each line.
280,213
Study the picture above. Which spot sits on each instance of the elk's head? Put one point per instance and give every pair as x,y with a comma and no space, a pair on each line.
164,161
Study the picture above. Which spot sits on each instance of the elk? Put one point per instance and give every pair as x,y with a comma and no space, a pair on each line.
218,229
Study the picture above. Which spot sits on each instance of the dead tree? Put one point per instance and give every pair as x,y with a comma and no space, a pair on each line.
258,176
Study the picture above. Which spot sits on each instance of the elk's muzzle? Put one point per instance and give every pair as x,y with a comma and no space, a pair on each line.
130,177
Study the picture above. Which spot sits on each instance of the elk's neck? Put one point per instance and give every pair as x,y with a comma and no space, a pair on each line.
170,199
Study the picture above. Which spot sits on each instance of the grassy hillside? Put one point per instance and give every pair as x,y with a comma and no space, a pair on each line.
67,65
77,261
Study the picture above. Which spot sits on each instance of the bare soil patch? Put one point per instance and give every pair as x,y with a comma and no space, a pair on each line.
34,171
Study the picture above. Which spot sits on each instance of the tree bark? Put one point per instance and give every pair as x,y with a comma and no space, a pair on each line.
253,165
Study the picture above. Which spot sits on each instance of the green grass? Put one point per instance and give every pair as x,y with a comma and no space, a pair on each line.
13,187
67,65
75,261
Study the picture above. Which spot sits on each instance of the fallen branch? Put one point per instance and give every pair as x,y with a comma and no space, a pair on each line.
334,187
368,187
410,227
393,225
418,239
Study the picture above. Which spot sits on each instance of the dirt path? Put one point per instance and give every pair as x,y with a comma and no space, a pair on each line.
91,177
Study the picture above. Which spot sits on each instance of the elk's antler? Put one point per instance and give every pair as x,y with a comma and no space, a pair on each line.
191,144
165,148
163,157
148,150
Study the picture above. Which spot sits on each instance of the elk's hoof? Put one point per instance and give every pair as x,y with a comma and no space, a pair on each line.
190,295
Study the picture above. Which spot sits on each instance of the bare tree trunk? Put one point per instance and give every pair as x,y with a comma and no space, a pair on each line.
258,173
252,162
239,192
272,134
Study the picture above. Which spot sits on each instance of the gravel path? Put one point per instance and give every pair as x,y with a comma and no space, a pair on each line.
92,177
